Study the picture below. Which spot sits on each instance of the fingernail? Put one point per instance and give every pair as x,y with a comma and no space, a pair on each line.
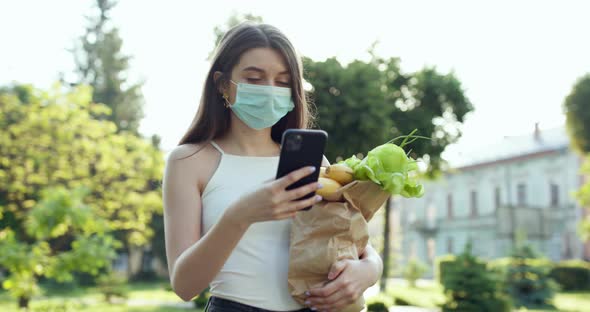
311,169
313,308
307,293
318,198
320,186
307,302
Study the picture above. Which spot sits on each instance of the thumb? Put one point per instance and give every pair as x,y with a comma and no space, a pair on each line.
336,269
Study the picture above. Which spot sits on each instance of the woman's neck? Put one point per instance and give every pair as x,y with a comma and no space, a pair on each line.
243,140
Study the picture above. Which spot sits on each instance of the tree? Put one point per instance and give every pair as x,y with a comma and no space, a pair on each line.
577,112
63,235
365,104
51,140
101,64
583,196
469,286
528,280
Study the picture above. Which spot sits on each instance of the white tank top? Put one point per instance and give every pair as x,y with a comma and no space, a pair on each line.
256,271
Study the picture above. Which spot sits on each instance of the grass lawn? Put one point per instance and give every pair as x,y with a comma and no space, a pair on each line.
431,295
141,297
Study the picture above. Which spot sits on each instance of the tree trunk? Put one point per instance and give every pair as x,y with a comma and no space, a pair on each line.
386,244
23,302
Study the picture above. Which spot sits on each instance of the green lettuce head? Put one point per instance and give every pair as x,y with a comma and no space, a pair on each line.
388,166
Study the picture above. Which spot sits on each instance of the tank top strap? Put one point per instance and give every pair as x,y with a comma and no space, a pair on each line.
217,147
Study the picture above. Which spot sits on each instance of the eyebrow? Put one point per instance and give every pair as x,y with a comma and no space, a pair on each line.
260,70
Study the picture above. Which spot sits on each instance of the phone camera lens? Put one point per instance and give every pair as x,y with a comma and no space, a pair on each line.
294,143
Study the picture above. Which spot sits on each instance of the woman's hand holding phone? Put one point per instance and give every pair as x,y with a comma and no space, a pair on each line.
272,201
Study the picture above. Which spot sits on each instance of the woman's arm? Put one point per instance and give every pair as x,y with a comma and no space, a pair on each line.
193,261
374,263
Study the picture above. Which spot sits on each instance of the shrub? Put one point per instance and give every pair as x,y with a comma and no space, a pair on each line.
400,302
377,307
112,285
442,264
572,275
469,286
380,302
413,271
145,276
527,280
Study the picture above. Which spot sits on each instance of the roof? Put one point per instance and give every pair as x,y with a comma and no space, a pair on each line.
512,147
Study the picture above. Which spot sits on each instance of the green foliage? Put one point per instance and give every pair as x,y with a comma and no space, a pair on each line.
64,236
427,295
572,275
365,104
401,302
577,112
101,64
469,286
379,303
61,306
158,242
377,307
200,301
73,150
413,271
583,196
61,195
441,267
527,279
113,285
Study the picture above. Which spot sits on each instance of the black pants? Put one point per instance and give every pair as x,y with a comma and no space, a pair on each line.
216,304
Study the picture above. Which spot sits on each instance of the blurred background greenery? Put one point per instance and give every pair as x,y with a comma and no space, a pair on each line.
81,223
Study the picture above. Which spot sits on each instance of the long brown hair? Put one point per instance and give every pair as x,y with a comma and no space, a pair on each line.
213,118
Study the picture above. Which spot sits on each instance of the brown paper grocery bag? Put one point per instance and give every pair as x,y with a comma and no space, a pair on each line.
329,232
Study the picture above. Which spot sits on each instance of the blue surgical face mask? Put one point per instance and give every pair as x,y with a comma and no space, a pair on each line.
260,106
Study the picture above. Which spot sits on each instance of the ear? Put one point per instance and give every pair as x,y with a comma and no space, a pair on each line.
219,82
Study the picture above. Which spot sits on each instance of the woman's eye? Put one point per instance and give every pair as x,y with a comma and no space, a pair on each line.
284,83
253,79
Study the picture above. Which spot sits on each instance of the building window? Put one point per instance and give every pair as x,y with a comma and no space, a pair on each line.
450,206
521,191
431,216
473,202
554,195
497,198
566,250
449,245
431,249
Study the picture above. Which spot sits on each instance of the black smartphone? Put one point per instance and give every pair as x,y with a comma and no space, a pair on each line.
302,148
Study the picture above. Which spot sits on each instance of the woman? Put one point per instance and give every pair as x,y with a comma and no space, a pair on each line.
227,220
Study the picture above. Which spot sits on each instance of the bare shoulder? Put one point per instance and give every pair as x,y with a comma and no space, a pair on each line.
195,161
185,151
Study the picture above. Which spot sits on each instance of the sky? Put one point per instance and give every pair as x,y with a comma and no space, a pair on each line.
517,60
